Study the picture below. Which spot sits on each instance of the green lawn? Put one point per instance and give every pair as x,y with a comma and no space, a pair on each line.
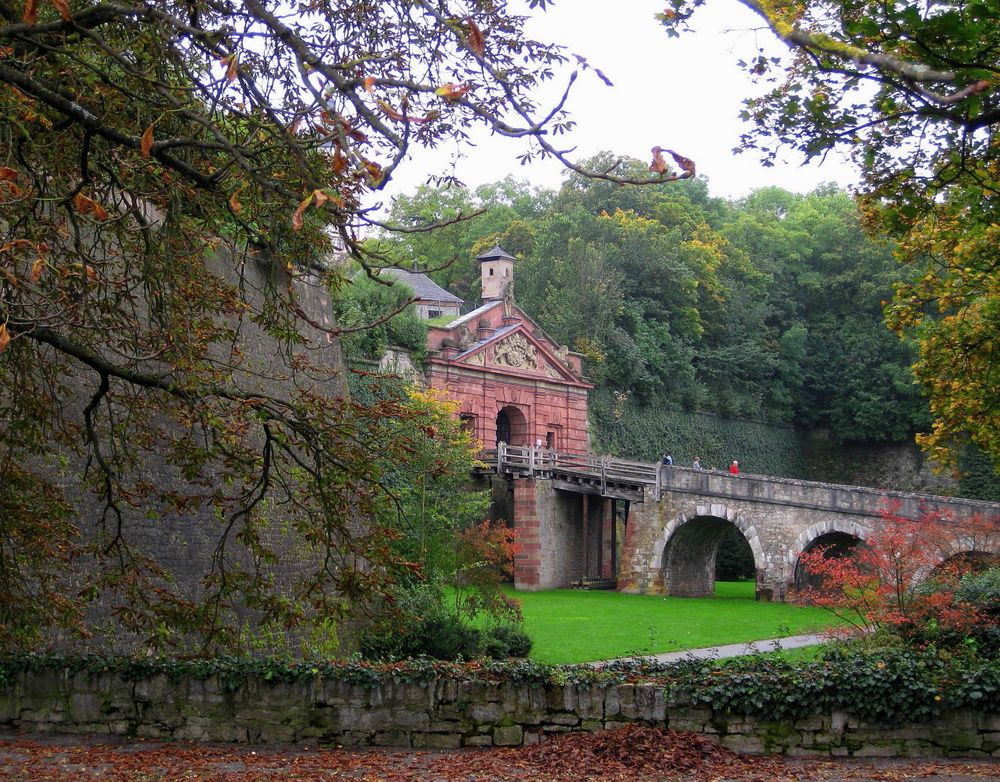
571,625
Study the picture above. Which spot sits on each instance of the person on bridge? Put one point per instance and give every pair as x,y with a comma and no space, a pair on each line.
696,465
667,458
734,468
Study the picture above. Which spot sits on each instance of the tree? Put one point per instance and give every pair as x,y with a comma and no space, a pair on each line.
911,90
171,175
904,575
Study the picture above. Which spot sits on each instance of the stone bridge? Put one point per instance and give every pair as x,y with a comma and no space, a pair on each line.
651,529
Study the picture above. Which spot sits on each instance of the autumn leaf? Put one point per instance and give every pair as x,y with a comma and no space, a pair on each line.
30,12
339,161
8,178
234,202
374,171
63,8
475,38
17,244
659,164
146,142
393,114
231,61
4,337
87,206
686,164
37,268
390,112
300,211
451,91
369,83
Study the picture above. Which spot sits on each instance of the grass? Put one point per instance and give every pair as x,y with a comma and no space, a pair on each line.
573,626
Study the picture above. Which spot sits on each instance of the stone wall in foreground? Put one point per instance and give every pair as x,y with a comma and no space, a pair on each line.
443,714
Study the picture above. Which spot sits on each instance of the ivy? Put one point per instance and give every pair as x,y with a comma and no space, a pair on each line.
637,431
877,685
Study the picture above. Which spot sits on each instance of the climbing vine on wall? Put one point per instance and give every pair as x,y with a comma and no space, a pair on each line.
631,430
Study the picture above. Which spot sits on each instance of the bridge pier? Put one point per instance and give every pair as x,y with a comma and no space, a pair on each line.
562,536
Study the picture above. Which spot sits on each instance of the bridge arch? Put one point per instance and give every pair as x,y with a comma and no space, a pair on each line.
840,535
685,552
968,560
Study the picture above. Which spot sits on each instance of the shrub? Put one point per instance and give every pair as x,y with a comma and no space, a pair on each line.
445,637
504,641
981,590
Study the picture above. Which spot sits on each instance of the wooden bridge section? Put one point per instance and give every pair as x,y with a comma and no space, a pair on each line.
601,475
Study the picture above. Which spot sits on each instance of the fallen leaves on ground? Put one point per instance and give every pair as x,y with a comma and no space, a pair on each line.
631,754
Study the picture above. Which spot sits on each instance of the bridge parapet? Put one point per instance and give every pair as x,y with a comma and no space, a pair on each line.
814,495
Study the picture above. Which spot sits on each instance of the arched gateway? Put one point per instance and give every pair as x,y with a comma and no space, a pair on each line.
512,426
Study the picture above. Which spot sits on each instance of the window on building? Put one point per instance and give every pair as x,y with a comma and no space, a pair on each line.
434,313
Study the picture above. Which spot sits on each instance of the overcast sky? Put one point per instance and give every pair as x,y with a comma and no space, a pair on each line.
684,94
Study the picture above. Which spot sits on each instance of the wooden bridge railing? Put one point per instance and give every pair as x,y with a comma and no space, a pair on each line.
602,473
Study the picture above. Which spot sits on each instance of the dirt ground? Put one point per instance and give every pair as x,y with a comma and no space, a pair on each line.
634,754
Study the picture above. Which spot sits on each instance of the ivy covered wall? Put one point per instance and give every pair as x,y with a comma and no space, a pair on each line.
633,431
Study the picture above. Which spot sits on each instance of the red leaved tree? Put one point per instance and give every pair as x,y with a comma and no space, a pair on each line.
904,575
485,559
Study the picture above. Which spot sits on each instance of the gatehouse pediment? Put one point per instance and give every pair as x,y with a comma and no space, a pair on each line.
519,351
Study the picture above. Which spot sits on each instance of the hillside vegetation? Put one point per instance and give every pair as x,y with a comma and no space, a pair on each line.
709,327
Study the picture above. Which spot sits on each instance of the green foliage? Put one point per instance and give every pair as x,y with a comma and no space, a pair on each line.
363,301
427,626
978,478
909,91
631,430
981,590
440,635
734,557
504,640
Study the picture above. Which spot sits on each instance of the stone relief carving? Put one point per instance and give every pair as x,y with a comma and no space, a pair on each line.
516,352
478,359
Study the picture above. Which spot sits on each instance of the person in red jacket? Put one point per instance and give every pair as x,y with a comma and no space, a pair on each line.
734,468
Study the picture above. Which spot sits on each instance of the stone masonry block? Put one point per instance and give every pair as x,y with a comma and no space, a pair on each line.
509,736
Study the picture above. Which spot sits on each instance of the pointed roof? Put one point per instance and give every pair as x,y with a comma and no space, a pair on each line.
496,253
423,286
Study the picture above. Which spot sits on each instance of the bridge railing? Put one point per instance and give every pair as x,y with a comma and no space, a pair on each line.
537,461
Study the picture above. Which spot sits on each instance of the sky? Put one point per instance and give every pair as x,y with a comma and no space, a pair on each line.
683,94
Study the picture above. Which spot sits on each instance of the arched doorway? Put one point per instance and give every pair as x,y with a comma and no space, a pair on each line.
836,545
512,426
